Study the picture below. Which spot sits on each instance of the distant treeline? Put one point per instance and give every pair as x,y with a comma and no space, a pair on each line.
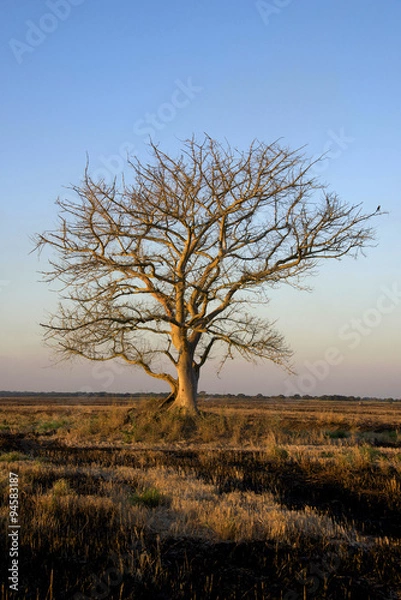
4,394
202,395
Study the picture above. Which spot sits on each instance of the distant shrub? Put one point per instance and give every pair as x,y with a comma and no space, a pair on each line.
279,453
61,487
371,454
52,426
150,497
13,457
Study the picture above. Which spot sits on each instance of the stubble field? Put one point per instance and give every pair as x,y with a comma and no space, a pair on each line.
258,498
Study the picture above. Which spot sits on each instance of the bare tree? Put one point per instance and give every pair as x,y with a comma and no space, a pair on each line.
164,270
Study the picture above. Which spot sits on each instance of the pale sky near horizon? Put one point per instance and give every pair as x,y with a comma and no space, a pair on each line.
81,77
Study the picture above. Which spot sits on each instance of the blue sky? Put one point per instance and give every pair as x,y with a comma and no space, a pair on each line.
96,77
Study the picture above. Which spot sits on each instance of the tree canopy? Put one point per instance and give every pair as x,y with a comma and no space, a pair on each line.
163,272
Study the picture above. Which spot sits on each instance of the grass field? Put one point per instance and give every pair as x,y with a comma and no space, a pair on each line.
274,498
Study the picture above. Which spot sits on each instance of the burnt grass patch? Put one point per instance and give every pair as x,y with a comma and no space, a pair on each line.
97,557
358,497
186,569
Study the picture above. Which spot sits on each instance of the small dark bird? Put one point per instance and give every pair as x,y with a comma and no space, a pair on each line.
378,208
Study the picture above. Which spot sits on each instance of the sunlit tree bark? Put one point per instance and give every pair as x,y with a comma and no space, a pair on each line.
164,272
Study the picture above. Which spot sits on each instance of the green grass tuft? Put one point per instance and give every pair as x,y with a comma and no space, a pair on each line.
150,498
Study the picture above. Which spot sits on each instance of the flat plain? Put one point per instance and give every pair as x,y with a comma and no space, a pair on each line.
276,498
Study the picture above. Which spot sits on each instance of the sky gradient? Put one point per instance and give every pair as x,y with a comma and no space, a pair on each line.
96,78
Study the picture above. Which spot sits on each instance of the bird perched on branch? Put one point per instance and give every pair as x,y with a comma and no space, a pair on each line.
378,208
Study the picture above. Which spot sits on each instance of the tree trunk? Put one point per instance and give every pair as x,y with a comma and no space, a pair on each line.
187,391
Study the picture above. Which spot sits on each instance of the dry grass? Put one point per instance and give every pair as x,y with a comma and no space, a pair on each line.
184,505
236,423
197,509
